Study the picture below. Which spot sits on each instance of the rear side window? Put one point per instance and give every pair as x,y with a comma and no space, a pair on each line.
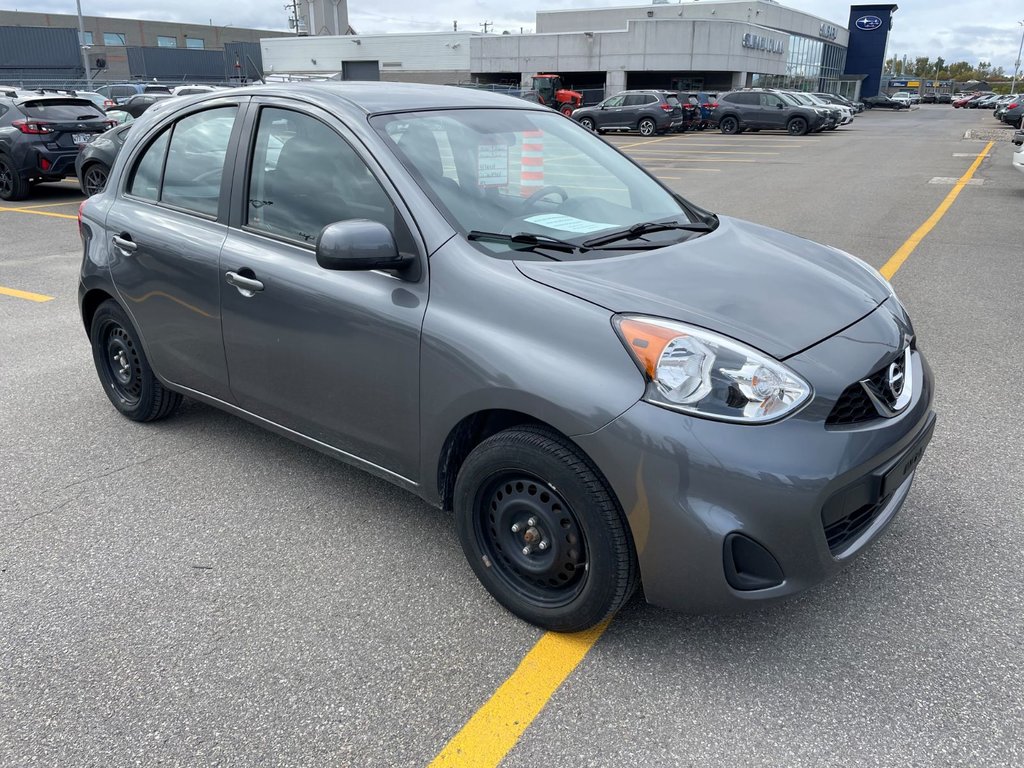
195,160
61,109
673,101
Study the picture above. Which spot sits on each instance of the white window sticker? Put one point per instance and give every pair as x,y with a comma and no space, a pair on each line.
567,223
492,165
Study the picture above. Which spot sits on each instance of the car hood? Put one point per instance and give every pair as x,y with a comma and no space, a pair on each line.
775,291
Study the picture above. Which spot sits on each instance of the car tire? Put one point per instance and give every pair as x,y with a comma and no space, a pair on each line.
729,125
647,127
797,126
12,186
530,487
587,122
567,110
94,178
124,369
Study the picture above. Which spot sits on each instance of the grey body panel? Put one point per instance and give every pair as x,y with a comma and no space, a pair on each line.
805,291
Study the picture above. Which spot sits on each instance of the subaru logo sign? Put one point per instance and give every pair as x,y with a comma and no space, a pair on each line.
868,23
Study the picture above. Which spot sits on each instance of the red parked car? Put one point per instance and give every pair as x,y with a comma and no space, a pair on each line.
964,101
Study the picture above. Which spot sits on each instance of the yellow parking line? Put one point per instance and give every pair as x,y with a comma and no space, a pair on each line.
38,297
897,259
39,213
699,152
33,207
496,727
648,141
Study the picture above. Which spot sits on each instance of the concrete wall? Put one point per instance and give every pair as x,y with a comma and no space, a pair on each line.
671,45
137,32
753,11
411,57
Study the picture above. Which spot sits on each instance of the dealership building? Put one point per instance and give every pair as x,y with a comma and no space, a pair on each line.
712,45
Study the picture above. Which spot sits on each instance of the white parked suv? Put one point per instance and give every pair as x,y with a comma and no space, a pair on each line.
903,96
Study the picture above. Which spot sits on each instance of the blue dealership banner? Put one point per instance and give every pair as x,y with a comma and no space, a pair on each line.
869,31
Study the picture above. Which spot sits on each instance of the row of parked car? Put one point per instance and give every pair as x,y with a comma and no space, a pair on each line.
659,111
44,133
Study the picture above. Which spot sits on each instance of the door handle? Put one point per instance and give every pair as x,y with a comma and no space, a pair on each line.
247,286
124,245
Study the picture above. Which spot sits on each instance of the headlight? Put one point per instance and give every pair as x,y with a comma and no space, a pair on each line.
696,371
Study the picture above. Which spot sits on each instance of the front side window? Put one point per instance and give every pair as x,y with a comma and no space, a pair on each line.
305,176
195,160
615,101
113,38
524,171
771,100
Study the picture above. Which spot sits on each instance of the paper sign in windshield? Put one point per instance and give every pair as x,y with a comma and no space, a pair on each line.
492,165
567,223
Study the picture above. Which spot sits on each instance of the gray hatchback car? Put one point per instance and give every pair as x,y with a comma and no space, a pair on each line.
606,384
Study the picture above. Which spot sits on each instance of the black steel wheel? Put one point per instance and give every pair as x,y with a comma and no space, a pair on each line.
729,125
796,127
12,186
647,127
94,179
542,531
123,369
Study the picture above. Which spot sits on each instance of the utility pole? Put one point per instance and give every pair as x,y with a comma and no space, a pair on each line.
1016,64
293,6
81,46
487,24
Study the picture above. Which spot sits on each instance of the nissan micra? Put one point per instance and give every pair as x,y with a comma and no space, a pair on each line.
486,304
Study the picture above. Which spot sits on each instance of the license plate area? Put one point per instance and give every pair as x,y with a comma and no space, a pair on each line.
906,465
81,138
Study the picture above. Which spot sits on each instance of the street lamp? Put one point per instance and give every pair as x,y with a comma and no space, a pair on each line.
1016,64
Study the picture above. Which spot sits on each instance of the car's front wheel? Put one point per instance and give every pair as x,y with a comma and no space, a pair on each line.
796,127
12,186
542,531
94,179
587,123
647,127
123,368
729,125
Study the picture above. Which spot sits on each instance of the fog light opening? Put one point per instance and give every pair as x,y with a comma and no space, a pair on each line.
748,565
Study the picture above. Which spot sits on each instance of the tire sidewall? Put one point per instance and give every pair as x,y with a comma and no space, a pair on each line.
648,122
794,122
729,125
108,315
588,123
19,187
494,457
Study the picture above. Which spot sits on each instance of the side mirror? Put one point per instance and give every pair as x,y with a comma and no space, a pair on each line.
603,106
359,244
778,106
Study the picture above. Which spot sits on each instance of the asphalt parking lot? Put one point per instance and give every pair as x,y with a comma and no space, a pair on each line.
202,592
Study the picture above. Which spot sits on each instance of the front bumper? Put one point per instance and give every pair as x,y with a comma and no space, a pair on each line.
690,486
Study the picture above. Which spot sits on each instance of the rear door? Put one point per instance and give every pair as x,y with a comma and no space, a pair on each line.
165,229
332,355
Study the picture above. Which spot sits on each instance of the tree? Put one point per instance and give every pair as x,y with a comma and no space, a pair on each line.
940,67
922,66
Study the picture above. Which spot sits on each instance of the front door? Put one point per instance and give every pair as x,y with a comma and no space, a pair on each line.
773,111
611,115
332,355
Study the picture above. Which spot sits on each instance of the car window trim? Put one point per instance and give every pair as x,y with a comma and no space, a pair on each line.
241,177
170,122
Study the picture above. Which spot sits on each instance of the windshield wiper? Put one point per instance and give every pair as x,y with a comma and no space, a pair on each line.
638,230
524,241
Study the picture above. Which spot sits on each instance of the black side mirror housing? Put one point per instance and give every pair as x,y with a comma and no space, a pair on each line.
359,244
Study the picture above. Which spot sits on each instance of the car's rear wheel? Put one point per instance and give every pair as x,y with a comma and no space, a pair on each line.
542,531
587,123
94,179
123,368
797,126
12,186
729,125
647,127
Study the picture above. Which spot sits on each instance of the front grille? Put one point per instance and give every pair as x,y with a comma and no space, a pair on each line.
854,406
846,529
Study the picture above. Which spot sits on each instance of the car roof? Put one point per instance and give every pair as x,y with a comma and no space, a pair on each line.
381,97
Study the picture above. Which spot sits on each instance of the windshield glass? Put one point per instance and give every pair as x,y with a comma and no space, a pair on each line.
524,171
790,99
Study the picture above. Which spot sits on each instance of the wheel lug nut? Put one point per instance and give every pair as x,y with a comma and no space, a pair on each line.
542,545
516,528
531,522
527,550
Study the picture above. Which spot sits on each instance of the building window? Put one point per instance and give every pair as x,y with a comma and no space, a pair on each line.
113,38
87,38
194,42
165,41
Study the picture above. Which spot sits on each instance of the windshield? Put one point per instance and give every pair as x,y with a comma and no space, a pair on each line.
790,99
524,171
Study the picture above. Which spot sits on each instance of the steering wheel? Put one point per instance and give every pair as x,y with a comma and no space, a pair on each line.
541,193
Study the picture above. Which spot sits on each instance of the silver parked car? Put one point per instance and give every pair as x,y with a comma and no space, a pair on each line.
605,383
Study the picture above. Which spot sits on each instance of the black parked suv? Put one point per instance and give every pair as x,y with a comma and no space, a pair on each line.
648,112
40,137
765,109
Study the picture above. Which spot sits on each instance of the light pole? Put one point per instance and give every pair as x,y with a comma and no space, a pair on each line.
82,46
1017,64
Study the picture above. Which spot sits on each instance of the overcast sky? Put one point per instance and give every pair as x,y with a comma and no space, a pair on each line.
953,29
